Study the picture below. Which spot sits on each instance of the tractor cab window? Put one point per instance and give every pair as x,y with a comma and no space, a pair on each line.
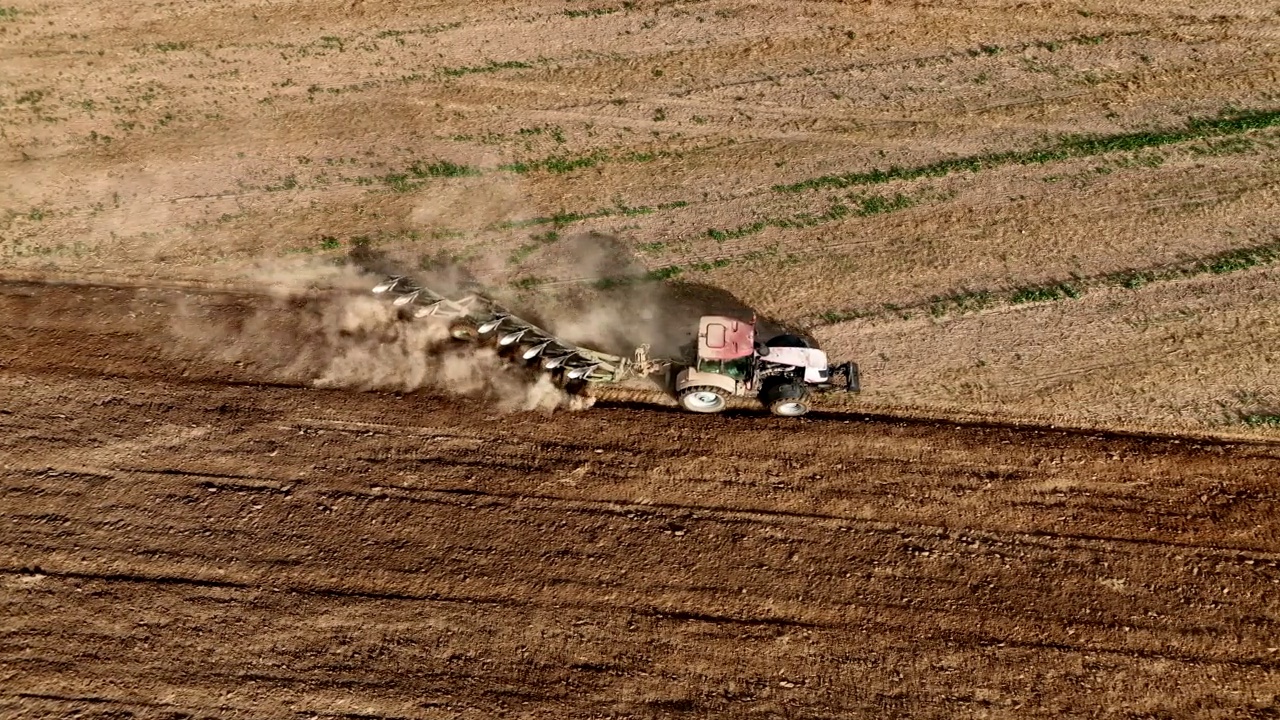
736,369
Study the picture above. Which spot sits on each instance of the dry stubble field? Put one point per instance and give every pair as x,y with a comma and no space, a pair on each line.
1010,214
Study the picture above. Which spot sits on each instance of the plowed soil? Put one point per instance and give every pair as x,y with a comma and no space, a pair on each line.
1021,217
185,538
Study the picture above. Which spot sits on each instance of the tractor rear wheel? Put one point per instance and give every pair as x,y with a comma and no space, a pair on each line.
787,399
704,399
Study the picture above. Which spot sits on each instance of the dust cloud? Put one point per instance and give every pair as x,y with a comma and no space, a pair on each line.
613,303
317,323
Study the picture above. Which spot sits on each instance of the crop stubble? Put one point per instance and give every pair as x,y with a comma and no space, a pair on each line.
215,540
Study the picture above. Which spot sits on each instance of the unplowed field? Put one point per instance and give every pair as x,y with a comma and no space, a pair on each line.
1063,214
1047,232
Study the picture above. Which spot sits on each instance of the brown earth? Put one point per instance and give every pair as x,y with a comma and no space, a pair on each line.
186,537
227,493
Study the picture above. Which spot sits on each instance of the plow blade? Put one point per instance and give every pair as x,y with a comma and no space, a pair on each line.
475,311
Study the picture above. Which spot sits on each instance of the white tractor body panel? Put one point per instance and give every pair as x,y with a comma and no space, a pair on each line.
813,361
798,357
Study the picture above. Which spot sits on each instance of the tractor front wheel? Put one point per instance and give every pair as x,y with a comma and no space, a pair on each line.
787,399
703,399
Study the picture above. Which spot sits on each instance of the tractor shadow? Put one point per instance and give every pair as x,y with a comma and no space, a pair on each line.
684,303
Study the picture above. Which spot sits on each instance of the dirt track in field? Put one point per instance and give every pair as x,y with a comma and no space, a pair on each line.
186,538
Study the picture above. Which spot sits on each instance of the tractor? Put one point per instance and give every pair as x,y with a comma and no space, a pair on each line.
783,372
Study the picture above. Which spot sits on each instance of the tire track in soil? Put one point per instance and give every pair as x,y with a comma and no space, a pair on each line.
314,552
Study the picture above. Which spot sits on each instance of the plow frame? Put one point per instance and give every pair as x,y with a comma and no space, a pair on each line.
474,315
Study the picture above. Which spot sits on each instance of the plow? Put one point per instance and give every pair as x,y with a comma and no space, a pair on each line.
727,360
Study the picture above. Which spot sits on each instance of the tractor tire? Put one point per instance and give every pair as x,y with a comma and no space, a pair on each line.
704,399
786,399
788,341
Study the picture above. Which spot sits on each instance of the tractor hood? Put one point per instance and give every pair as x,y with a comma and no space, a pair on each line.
808,358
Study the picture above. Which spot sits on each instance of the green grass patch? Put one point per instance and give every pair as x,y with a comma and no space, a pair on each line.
563,218
1045,293
590,12
740,231
1225,146
961,303
554,131
556,164
712,265
970,301
1235,260
1261,420
864,206
441,168
1216,264
664,273
492,66
428,30
527,283
985,50
529,248
569,163
673,271
1066,147
421,171
289,182
831,317
398,182
875,205
656,275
